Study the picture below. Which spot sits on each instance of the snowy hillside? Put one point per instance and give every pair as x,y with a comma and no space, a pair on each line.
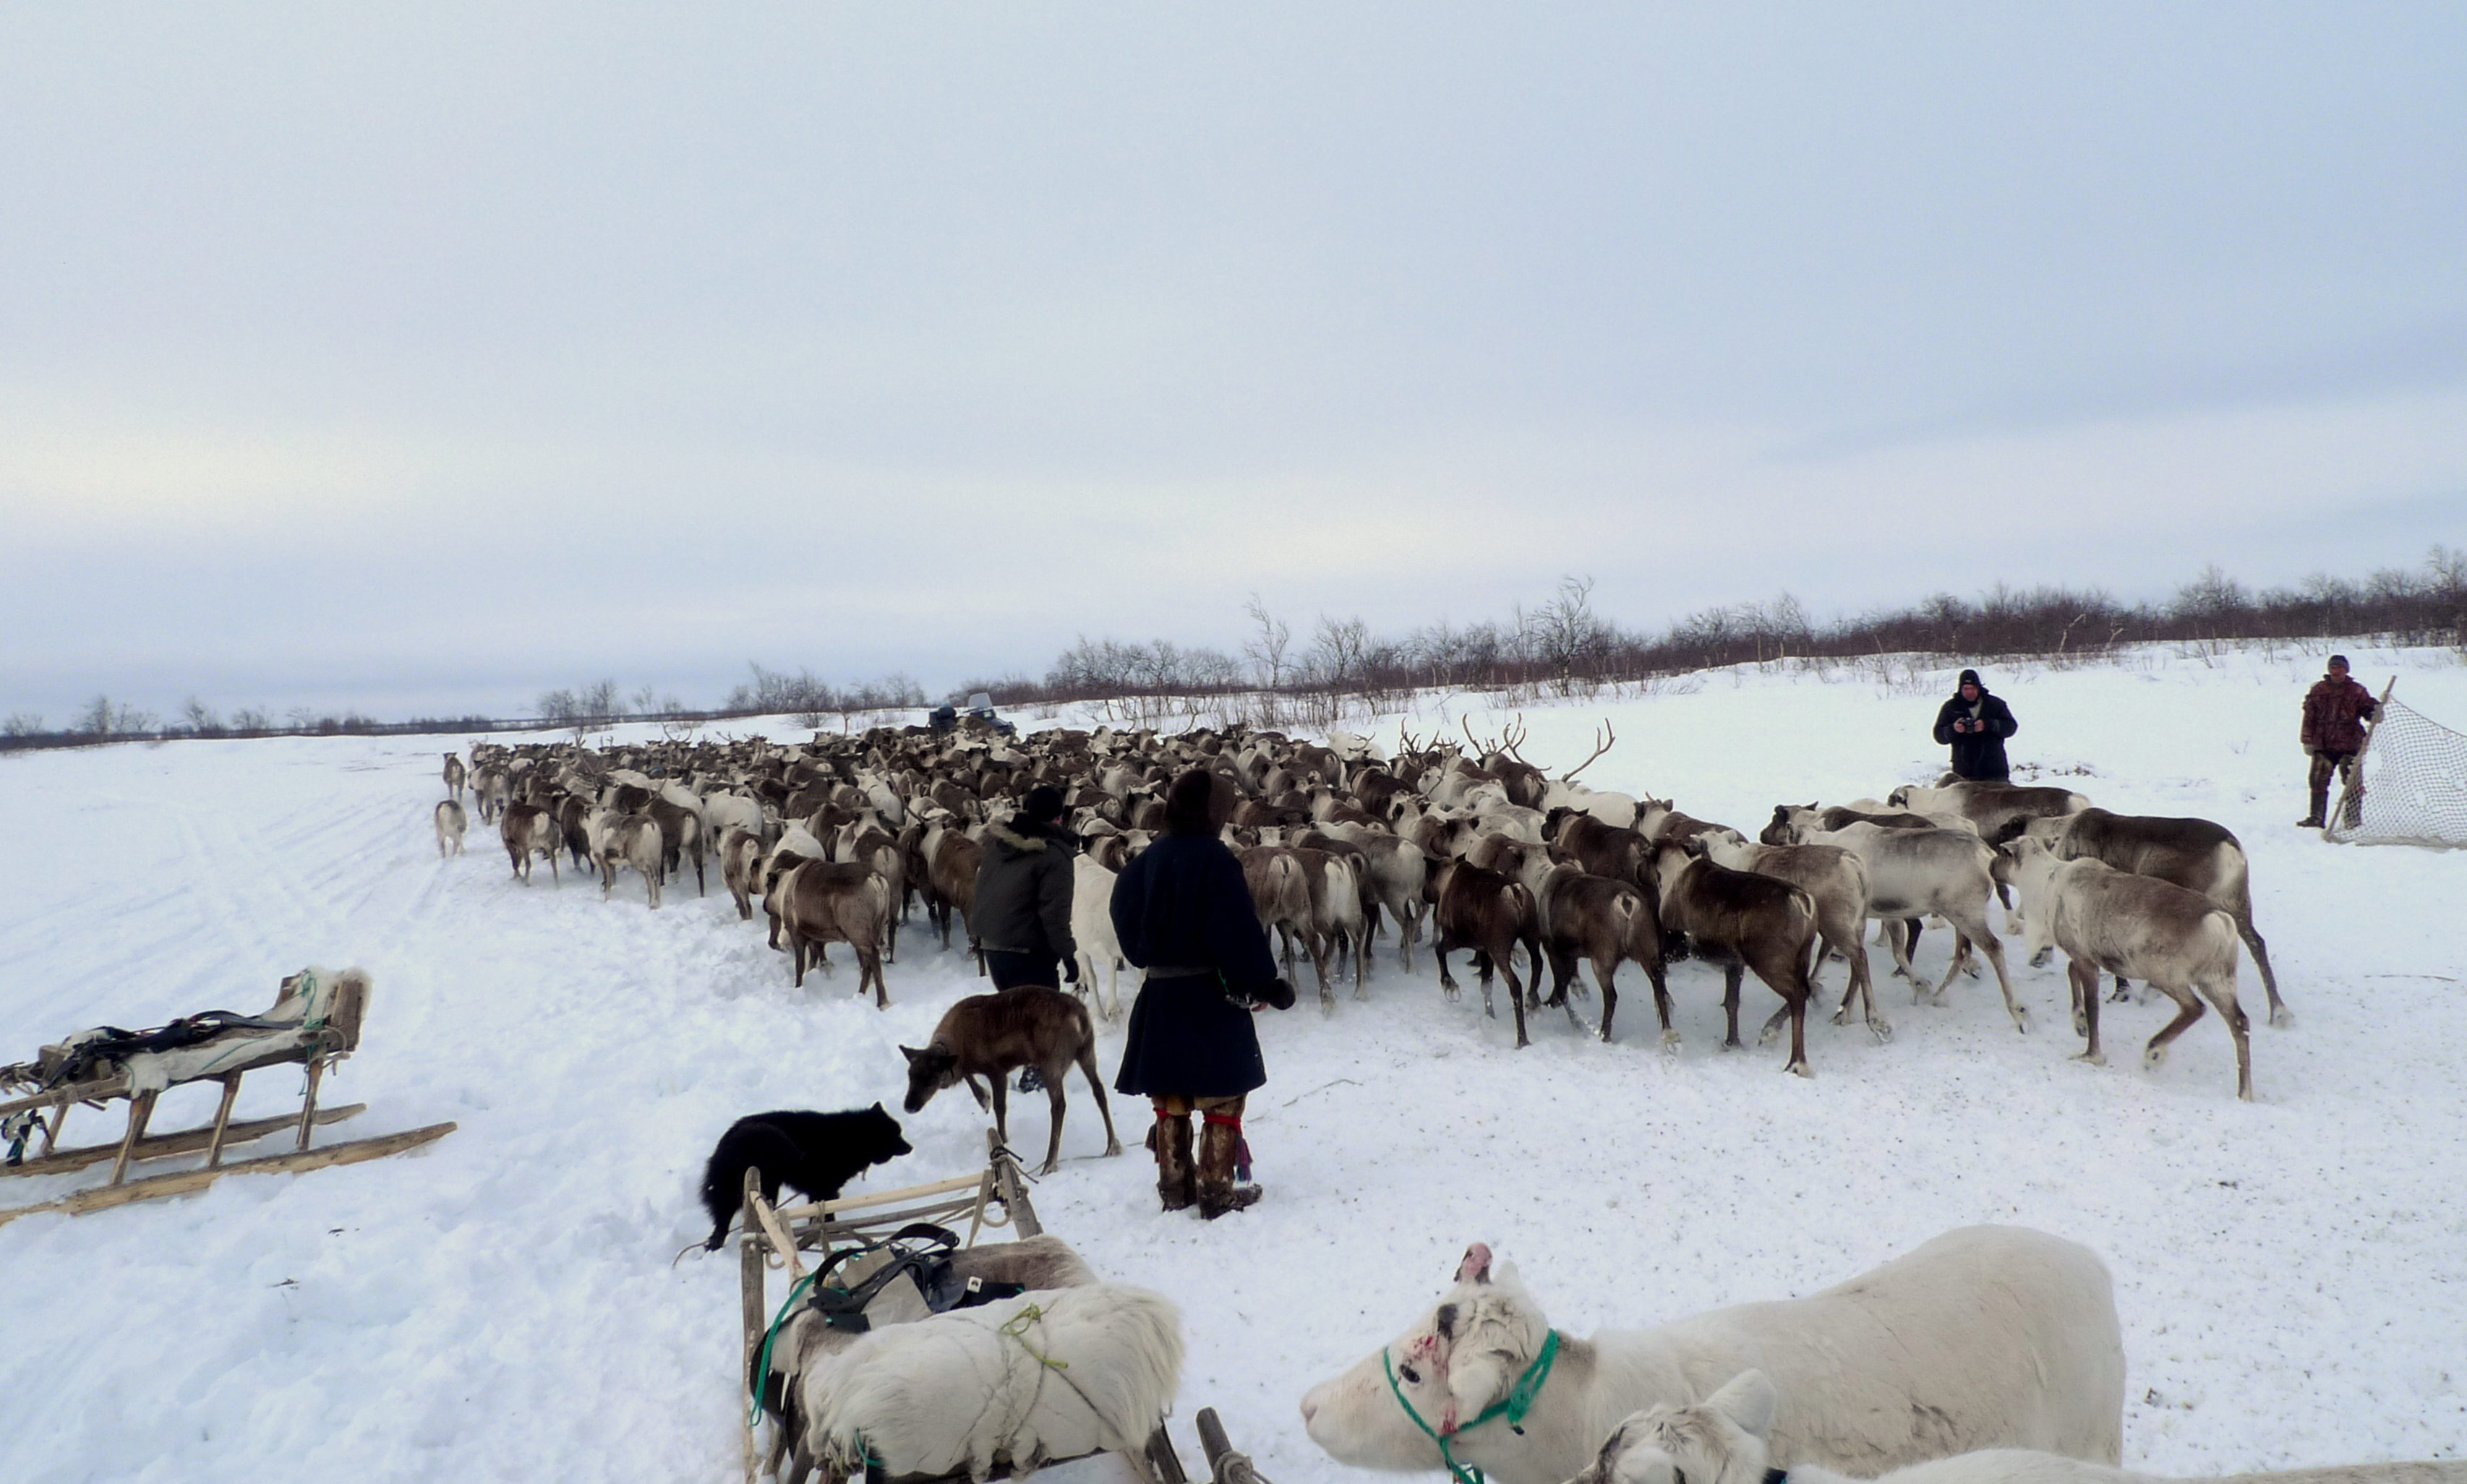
2292,1274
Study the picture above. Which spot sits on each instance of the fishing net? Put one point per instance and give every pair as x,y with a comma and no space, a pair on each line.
2411,785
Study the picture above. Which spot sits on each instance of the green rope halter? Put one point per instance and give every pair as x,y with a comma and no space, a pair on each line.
1513,1407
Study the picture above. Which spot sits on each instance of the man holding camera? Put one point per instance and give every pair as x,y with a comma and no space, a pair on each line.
1975,725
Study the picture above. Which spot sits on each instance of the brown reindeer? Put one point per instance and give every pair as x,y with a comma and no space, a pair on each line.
679,831
827,901
992,1035
1489,913
870,844
1601,849
1281,894
951,887
528,831
1608,923
1743,921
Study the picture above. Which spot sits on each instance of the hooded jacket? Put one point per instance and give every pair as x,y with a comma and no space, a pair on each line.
1977,754
1023,902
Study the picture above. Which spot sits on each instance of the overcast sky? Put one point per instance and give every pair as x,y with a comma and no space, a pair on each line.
424,357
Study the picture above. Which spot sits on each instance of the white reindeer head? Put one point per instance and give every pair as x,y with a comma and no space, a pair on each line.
1458,1359
1720,1440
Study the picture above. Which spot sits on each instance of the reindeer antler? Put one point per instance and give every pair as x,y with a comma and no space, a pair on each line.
1602,743
1515,732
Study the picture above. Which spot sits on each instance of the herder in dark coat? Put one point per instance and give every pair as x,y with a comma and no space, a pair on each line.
2335,712
1975,725
1022,912
1182,912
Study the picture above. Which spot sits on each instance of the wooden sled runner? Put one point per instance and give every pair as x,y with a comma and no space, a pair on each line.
316,1023
783,1238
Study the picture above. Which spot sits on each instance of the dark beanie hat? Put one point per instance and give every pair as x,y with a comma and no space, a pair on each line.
2339,661
1043,804
1970,678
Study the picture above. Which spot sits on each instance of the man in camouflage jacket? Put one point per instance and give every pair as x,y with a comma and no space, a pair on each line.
2335,712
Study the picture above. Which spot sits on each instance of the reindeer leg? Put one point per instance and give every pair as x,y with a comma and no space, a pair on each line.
1660,975
1797,1008
1862,982
2223,997
2188,1010
1096,1085
1515,995
1448,987
1608,980
1482,969
1731,975
1995,950
1053,1102
2279,1015
2084,976
1000,1081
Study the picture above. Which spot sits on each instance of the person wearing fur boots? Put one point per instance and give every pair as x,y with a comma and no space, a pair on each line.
1022,911
2333,732
1183,913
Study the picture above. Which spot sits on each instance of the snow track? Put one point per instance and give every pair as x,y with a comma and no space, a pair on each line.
2292,1275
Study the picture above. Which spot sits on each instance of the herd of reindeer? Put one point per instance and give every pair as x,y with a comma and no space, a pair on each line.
836,839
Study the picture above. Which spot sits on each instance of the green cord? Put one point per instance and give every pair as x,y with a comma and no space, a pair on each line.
762,1368
1513,1407
1017,1328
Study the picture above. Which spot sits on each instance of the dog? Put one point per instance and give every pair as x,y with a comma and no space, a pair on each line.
817,1153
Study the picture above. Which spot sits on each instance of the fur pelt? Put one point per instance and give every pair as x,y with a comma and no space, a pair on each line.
1089,1368
1985,1337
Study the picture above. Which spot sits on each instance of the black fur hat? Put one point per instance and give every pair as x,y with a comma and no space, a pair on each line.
1043,804
1186,804
1970,678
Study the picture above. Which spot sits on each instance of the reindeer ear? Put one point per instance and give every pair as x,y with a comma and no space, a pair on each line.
1476,1379
910,1052
1747,1400
1475,1266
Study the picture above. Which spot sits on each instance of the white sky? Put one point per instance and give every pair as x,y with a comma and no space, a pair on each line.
425,357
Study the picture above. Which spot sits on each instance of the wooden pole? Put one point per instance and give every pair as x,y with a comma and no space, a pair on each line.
223,1119
52,1134
309,1104
140,1108
749,1279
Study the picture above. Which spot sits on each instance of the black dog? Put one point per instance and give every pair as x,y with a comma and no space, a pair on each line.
816,1153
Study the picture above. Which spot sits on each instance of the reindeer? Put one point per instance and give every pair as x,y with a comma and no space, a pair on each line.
1489,913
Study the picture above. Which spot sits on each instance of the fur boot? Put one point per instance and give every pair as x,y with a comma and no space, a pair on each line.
2318,813
1218,1146
1170,1137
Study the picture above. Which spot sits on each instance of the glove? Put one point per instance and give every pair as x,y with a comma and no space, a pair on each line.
1071,970
1278,994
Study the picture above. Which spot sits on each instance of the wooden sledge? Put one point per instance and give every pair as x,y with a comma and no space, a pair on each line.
326,1043
778,1238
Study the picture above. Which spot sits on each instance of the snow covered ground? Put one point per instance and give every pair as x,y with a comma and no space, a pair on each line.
2292,1274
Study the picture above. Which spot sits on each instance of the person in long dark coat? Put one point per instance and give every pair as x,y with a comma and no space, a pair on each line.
1183,913
1975,725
